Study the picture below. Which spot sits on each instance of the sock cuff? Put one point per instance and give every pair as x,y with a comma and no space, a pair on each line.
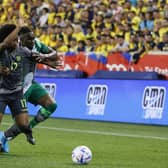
51,107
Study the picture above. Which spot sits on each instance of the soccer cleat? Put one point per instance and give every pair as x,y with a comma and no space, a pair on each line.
4,143
30,139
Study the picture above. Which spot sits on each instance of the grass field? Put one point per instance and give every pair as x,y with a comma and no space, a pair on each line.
113,145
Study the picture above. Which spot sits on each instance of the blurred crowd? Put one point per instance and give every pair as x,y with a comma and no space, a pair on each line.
100,26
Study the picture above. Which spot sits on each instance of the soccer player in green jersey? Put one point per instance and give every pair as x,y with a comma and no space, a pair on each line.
33,91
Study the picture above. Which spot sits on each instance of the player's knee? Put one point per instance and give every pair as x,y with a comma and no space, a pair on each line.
51,107
45,112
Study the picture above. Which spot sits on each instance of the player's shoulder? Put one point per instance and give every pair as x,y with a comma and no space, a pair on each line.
23,51
38,43
40,46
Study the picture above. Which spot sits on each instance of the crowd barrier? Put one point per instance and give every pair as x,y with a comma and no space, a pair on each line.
126,75
90,63
99,74
60,74
130,101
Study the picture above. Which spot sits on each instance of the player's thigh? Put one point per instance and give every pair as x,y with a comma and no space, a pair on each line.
19,111
46,100
36,93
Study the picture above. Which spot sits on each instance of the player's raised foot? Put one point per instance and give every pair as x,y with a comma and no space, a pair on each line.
30,139
4,143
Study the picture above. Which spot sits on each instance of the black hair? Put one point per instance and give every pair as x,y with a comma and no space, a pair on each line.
24,30
5,30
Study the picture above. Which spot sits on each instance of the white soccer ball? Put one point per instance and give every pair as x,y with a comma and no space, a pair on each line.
81,155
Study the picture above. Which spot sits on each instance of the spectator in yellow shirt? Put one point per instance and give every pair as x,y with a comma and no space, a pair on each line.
67,33
78,33
3,15
44,35
163,45
163,28
89,44
61,46
72,46
135,20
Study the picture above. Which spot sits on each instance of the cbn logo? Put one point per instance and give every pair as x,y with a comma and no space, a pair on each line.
96,99
96,94
153,97
153,102
51,88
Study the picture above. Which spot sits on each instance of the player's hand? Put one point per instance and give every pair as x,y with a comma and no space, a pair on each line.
37,56
4,71
21,21
58,62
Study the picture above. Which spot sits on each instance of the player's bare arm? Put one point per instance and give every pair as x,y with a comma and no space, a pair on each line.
12,36
51,55
51,59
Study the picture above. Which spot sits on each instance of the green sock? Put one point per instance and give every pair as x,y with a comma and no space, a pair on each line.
42,115
33,123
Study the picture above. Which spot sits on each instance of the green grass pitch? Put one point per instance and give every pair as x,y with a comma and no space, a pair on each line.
114,145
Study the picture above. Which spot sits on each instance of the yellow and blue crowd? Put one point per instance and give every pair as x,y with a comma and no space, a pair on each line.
100,26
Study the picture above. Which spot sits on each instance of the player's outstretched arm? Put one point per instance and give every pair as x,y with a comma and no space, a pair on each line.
13,35
50,55
51,58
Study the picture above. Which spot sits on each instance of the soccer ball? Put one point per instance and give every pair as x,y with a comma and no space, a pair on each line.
81,155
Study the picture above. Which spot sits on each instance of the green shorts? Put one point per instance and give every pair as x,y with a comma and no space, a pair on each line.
34,93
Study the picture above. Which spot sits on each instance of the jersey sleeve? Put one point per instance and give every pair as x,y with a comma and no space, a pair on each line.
41,47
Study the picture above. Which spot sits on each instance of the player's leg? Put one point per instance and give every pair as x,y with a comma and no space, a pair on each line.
1,134
41,97
36,95
20,115
1,116
22,122
2,108
48,107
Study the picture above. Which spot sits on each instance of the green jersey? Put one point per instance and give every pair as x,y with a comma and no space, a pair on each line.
40,47
30,63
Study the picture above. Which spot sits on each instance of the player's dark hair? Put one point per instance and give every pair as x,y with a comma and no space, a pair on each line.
5,30
24,30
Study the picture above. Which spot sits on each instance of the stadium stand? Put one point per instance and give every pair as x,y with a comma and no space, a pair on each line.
101,27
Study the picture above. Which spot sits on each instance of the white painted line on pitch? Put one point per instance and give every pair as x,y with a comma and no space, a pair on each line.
98,132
